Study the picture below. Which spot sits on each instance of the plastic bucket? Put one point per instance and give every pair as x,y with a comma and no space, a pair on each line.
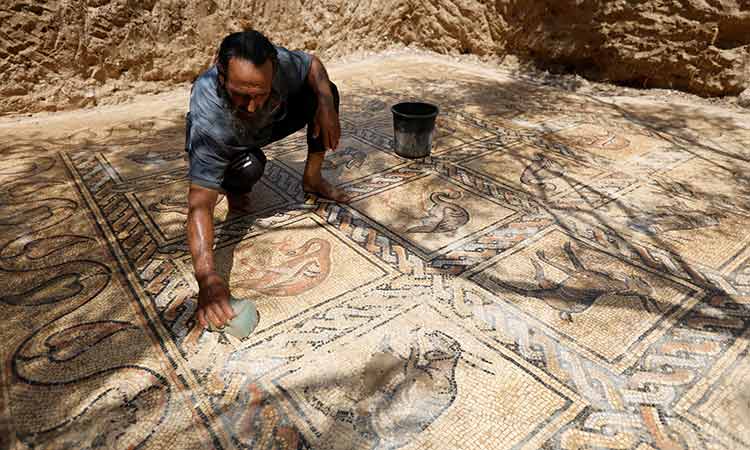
413,127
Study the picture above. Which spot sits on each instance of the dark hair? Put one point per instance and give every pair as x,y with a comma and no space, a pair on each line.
250,45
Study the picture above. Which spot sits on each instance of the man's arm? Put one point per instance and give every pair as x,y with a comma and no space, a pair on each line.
213,295
327,119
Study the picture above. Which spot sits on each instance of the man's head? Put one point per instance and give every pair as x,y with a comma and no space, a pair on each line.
246,63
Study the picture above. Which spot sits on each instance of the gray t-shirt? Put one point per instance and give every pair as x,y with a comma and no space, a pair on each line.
215,137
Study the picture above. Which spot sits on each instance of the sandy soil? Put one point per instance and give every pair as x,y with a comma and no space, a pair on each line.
67,54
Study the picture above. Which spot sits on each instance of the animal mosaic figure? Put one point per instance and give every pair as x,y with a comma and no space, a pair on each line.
540,171
348,158
674,218
676,189
443,216
302,269
444,129
605,141
374,105
583,287
169,205
397,396
152,157
738,202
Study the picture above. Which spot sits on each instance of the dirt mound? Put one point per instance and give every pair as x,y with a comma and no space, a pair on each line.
692,45
61,54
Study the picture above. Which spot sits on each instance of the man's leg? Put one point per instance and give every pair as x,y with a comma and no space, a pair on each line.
312,179
314,183
301,112
242,174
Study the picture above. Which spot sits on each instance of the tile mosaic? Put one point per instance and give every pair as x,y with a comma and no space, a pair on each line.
432,212
565,272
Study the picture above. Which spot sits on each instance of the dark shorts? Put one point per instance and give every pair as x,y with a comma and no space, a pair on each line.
301,109
243,172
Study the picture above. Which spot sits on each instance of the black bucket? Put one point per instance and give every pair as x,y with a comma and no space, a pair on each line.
413,126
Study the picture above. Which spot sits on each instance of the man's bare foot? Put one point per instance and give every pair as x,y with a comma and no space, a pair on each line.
324,189
239,204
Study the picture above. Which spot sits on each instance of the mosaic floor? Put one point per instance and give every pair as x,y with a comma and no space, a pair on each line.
565,272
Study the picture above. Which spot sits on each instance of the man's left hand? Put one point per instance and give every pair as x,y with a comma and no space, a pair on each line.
327,124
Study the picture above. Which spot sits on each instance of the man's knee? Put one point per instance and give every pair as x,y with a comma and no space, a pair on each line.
243,173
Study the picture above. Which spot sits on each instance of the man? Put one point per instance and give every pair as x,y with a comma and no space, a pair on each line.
255,94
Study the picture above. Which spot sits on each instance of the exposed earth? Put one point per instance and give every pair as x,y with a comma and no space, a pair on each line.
67,54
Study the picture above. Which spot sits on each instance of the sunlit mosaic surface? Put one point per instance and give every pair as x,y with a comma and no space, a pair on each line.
565,272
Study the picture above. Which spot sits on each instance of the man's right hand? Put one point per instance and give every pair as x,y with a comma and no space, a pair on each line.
213,292
213,301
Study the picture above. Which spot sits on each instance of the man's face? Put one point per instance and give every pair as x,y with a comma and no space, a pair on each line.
248,86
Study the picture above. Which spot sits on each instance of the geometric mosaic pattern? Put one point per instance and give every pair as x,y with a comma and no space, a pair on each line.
564,272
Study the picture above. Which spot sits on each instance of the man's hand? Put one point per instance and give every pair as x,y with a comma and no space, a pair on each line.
213,302
213,293
327,123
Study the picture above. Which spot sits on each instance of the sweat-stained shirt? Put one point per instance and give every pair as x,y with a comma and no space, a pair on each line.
213,140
